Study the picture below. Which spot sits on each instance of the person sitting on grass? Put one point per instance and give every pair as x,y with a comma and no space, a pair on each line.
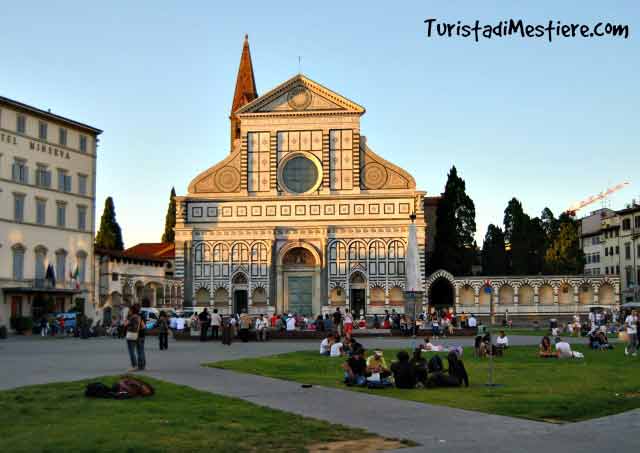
502,342
603,341
419,365
563,349
455,376
325,345
545,350
336,348
403,372
355,369
377,364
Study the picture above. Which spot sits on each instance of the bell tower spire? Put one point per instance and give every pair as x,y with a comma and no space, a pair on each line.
245,91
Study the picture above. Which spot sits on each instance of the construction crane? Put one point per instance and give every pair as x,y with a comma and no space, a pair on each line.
593,198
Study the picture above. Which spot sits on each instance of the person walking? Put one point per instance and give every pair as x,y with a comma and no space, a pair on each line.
132,327
44,327
216,321
163,335
204,320
347,322
261,328
245,325
227,336
631,322
337,321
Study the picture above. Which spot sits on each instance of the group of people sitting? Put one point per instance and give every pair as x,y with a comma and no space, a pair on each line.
562,350
404,373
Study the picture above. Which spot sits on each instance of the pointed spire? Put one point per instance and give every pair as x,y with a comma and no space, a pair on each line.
245,82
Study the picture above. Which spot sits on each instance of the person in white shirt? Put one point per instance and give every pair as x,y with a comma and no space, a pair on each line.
325,345
180,322
502,341
216,322
563,349
631,323
291,323
261,328
472,322
336,348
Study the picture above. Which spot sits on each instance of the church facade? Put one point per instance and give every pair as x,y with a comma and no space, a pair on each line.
301,215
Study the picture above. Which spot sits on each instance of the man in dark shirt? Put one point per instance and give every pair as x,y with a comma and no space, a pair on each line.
205,320
355,369
403,372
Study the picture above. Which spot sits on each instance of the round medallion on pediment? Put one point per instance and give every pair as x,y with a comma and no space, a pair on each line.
374,175
299,98
228,179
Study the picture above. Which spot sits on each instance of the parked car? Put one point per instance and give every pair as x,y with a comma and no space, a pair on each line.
150,316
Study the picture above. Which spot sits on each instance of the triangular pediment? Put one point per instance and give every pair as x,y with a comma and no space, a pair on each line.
299,95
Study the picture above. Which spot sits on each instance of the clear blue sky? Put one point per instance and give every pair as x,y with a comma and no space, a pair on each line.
547,123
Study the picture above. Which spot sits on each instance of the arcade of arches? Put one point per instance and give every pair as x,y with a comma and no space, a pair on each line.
522,296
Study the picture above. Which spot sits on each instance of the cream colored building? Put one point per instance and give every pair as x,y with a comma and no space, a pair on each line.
301,215
143,274
47,211
630,252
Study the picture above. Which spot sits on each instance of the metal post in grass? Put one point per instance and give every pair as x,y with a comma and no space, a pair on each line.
490,382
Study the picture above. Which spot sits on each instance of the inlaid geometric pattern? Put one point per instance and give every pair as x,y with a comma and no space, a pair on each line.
341,159
258,144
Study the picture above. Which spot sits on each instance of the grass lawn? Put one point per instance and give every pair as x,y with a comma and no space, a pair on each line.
57,417
603,383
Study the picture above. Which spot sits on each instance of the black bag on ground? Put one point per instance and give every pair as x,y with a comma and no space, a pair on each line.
97,390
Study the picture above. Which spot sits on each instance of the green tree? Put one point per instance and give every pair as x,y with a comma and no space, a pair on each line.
537,246
565,255
516,229
455,228
109,235
170,219
550,225
494,254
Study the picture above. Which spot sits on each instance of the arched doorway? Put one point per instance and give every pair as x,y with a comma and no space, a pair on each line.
357,296
298,279
240,293
441,294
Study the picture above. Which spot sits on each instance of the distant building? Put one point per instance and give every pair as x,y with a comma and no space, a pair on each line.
630,252
611,247
47,211
142,274
592,240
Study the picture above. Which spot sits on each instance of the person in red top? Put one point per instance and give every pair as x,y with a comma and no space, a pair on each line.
273,320
61,323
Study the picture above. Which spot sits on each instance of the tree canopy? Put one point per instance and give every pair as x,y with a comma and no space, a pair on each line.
170,219
455,228
109,235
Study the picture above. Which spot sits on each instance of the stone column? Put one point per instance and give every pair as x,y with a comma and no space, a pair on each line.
187,299
279,290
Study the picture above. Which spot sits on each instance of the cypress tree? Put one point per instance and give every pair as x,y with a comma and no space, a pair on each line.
109,235
494,254
170,219
455,228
